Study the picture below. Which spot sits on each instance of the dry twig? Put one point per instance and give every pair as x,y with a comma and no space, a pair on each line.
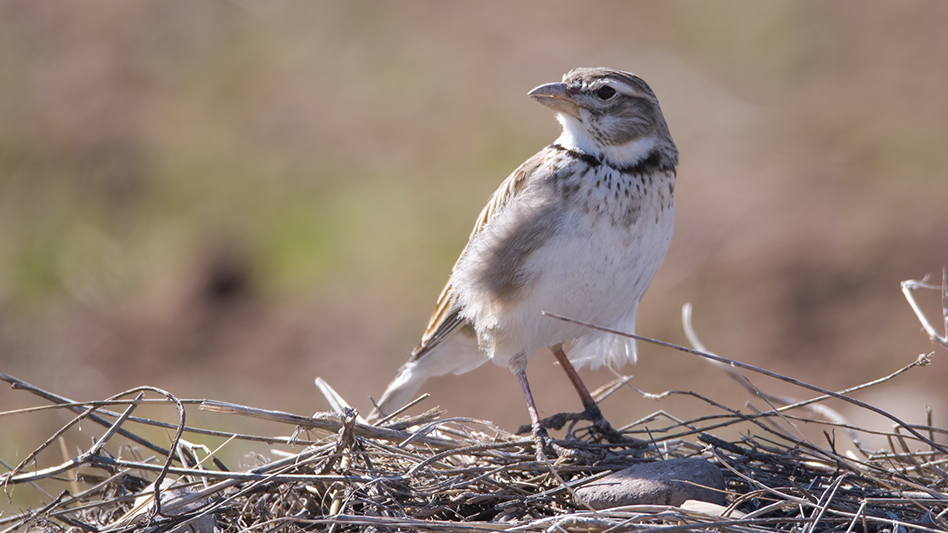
428,473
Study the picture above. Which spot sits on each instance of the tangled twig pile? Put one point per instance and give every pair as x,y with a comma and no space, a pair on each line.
430,473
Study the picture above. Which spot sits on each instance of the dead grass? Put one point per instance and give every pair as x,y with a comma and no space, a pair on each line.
431,473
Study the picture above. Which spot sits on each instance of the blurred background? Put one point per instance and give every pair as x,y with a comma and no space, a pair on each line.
227,199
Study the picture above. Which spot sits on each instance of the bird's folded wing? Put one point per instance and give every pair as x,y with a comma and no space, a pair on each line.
447,314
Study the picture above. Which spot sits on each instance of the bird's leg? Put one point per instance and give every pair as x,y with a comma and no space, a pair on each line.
589,403
591,410
540,435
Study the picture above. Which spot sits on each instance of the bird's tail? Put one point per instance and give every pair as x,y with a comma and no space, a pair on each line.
456,354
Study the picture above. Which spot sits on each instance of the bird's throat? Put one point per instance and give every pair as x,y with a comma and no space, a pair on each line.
575,137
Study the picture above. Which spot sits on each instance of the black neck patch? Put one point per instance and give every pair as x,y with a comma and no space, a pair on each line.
656,161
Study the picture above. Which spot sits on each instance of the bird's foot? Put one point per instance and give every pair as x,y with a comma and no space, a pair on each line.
549,448
543,442
600,425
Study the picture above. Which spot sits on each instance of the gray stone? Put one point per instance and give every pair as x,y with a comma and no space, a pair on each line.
668,482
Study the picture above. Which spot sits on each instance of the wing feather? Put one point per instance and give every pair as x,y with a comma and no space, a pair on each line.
446,317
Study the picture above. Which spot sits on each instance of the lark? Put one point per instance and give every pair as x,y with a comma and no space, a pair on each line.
578,230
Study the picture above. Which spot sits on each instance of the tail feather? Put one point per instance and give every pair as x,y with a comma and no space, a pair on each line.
457,354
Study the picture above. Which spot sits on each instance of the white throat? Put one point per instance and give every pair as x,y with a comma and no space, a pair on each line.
574,137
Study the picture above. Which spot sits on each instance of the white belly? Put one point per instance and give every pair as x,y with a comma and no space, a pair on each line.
590,270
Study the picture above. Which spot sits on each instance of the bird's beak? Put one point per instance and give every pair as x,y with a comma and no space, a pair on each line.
554,96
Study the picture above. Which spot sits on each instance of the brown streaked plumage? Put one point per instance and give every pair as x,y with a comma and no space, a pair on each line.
579,229
445,318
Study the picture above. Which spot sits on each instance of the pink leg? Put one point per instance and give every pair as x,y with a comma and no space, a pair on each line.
591,410
539,432
589,403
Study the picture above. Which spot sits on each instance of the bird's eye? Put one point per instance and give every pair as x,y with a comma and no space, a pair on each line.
605,93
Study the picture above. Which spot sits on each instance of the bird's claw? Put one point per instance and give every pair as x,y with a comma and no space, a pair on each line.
600,425
549,448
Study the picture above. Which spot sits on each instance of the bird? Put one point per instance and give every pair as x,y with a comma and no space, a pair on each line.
579,229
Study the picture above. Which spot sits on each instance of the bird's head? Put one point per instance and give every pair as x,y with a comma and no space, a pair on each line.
609,113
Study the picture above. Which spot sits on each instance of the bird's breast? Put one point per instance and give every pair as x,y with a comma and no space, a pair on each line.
605,199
